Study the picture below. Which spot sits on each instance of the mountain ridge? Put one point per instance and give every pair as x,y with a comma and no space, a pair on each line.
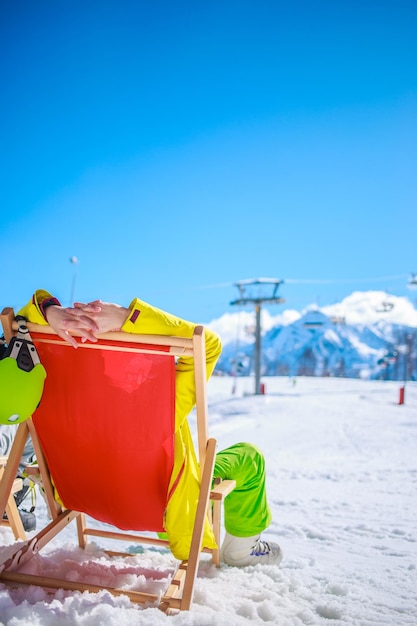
367,335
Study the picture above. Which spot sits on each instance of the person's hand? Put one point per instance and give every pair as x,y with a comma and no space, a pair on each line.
106,315
63,320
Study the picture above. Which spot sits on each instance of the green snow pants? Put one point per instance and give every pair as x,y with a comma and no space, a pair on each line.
246,510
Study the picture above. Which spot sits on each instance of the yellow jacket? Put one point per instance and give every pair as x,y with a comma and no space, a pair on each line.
146,319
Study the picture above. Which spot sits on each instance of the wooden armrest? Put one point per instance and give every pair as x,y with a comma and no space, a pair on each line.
222,489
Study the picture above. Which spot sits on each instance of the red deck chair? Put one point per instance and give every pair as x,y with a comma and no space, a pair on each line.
104,440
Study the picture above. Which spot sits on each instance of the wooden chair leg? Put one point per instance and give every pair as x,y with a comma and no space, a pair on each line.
202,508
12,465
13,517
53,506
7,482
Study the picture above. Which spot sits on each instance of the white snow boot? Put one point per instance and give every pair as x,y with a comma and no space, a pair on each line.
241,551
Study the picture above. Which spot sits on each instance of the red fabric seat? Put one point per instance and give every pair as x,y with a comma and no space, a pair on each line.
106,426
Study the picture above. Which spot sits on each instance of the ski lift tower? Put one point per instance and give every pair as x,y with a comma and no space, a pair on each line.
254,291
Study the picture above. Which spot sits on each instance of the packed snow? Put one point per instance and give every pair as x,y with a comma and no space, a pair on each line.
342,475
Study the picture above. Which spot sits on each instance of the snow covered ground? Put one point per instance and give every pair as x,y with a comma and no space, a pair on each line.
342,479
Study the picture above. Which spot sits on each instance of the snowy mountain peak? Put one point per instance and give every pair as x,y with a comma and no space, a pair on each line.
368,334
359,308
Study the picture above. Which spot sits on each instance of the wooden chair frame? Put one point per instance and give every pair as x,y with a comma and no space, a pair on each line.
178,595
13,518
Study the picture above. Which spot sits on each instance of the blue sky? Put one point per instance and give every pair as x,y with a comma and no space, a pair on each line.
178,147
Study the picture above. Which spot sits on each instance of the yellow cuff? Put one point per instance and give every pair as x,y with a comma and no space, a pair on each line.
32,311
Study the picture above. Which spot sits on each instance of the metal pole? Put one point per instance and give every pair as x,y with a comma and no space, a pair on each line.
74,261
258,350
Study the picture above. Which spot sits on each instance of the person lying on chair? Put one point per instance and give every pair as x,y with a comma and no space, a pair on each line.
246,510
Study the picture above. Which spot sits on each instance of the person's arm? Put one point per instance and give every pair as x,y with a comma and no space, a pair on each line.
34,311
106,315
43,308
63,320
